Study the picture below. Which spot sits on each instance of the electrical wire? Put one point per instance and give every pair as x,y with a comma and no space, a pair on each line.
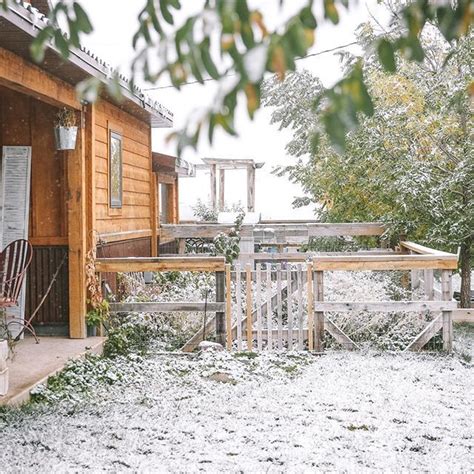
319,53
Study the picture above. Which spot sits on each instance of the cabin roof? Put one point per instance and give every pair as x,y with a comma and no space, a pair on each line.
21,22
169,164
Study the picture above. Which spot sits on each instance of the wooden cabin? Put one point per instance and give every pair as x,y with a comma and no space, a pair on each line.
106,190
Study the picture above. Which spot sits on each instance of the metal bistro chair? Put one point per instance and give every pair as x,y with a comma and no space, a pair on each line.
14,262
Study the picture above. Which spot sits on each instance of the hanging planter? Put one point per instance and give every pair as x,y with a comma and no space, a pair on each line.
65,131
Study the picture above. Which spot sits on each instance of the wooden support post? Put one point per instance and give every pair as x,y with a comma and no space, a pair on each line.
429,284
248,312
181,246
309,277
220,316
279,307
269,307
176,200
238,304
446,292
213,169
258,301
77,226
221,189
154,214
228,306
415,279
319,315
251,189
90,156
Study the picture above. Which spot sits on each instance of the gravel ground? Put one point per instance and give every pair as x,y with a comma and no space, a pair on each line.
272,413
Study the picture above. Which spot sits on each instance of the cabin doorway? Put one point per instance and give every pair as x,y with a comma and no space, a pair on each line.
27,121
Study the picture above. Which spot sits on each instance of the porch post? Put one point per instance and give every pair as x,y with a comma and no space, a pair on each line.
221,189
77,238
251,189
90,170
153,203
213,170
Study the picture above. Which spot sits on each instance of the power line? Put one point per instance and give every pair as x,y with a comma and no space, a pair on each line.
329,50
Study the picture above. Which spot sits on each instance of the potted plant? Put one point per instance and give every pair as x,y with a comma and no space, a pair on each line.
96,317
65,130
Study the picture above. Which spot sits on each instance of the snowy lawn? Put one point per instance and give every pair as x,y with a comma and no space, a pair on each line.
217,412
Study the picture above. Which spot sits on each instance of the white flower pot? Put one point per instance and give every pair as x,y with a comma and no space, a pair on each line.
65,138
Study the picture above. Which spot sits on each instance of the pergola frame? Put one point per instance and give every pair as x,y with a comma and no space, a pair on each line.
223,164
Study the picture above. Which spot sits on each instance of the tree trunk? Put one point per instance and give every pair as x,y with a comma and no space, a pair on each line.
465,257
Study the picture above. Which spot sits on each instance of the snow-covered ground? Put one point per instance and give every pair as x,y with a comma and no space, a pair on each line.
218,412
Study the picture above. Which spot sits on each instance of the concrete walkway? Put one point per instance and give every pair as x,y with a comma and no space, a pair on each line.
32,364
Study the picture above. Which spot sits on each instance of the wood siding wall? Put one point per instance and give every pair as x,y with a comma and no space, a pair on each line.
29,122
55,310
135,217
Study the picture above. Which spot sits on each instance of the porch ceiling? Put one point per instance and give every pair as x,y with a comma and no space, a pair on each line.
20,24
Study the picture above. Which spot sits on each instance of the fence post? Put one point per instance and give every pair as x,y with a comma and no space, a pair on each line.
248,312
309,276
220,315
228,306
414,279
319,296
446,292
428,276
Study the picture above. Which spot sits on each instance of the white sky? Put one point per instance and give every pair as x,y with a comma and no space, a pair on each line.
115,23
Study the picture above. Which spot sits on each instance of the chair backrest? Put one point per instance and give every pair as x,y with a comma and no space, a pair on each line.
14,262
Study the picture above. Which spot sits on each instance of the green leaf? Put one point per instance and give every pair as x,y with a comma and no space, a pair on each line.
242,10
335,129
246,33
296,38
386,55
330,11
308,19
61,43
82,19
165,12
204,47
416,50
73,34
212,124
39,44
151,10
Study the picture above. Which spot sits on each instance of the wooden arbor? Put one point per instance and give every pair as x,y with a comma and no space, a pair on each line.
223,164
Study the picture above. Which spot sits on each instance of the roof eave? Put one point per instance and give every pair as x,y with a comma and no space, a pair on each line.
20,16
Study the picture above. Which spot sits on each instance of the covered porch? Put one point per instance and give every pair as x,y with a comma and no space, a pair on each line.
31,364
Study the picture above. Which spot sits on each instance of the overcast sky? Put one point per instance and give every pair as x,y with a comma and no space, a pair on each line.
115,23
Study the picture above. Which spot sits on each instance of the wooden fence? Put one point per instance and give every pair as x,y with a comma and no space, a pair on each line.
254,326
180,264
279,299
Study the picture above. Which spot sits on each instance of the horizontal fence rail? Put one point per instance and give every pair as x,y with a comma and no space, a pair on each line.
296,231
385,262
160,264
166,307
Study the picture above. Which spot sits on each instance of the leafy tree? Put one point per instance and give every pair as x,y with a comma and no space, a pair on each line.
229,42
410,164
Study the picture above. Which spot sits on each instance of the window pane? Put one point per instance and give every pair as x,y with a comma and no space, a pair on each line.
115,170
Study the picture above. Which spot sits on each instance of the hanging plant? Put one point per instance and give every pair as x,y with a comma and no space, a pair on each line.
65,130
